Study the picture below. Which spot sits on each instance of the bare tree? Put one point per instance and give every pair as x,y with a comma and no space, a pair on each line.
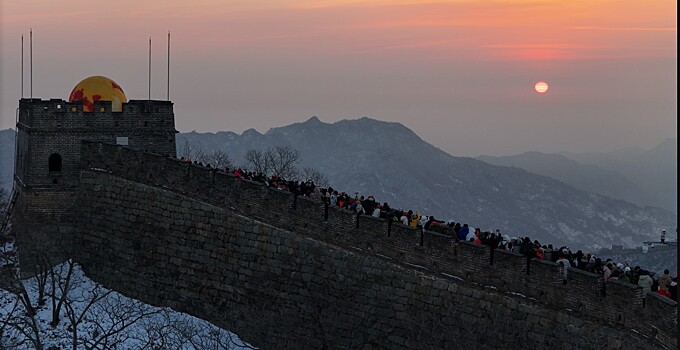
314,175
284,161
110,316
61,285
188,331
217,158
18,329
18,326
257,161
280,161
189,151
99,319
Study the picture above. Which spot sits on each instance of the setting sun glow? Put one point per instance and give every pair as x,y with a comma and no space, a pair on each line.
541,87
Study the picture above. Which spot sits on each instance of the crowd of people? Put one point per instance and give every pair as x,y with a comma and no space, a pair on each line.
650,282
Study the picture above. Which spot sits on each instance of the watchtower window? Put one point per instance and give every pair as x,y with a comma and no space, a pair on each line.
54,163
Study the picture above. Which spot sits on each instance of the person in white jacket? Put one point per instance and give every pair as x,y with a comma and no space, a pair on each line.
564,265
645,281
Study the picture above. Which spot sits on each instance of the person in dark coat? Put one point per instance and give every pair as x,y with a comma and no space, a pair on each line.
429,222
528,248
462,232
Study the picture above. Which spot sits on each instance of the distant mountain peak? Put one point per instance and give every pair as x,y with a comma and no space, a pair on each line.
251,132
313,120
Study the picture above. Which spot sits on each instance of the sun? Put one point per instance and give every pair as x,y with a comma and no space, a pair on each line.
541,87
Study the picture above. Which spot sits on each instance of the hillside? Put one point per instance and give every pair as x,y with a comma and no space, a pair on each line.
392,163
654,170
585,177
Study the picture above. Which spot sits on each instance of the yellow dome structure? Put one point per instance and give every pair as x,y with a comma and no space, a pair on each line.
98,88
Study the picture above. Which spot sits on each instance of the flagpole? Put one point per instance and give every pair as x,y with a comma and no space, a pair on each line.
22,65
149,68
31,61
168,87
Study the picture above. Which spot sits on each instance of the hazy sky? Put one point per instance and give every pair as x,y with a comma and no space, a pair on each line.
459,73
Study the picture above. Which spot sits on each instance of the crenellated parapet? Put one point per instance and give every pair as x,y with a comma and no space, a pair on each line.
56,115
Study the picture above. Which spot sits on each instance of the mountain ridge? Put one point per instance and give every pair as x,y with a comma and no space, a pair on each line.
391,162
586,177
646,177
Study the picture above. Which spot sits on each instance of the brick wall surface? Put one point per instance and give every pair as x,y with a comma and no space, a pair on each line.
284,272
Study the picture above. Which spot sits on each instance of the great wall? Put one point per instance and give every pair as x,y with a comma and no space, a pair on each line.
282,271
286,272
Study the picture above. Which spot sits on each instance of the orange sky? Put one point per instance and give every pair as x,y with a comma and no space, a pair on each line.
277,61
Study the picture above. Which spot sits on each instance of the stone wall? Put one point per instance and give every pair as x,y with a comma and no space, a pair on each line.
42,227
283,271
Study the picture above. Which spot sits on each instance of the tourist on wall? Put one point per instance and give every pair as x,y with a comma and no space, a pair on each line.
645,281
403,219
616,274
635,275
462,232
415,219
528,248
376,211
548,253
316,194
582,261
564,265
607,271
471,236
333,200
502,241
665,279
664,291
625,276
539,252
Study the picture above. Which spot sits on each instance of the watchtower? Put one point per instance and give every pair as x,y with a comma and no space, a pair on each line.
49,137
50,131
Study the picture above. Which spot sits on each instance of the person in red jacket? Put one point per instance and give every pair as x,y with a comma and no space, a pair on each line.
539,252
477,241
663,290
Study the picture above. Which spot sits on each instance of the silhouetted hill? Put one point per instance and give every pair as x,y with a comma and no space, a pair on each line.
391,162
654,170
586,177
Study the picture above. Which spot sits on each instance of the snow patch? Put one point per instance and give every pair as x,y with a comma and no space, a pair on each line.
103,317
